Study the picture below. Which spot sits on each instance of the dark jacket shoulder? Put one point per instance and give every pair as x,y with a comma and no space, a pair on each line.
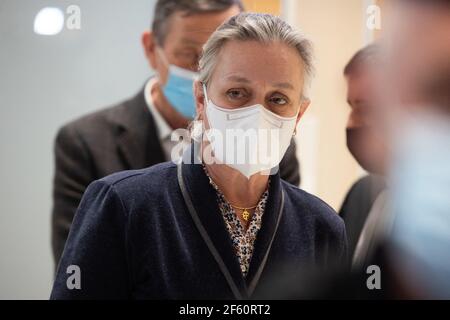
305,203
143,186
155,176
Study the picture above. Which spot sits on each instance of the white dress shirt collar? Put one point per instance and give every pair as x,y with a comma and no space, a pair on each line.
163,128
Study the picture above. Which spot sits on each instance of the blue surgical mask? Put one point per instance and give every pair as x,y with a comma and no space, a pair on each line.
421,201
179,88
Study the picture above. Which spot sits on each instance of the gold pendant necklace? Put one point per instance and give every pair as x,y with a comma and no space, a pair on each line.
245,213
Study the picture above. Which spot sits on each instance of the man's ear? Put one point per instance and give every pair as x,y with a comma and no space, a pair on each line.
149,44
303,107
200,103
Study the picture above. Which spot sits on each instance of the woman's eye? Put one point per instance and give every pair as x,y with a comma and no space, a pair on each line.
279,100
235,94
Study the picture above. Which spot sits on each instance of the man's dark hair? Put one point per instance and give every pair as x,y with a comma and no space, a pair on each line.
164,9
363,56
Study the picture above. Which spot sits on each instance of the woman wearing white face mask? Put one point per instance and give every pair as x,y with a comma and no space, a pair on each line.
216,227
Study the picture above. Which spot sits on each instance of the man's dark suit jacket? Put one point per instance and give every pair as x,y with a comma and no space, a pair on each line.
157,233
122,137
357,205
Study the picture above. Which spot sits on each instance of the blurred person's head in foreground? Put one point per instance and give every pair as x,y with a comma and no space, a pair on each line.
173,47
363,138
417,47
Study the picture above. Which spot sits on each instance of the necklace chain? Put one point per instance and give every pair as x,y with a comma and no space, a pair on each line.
245,213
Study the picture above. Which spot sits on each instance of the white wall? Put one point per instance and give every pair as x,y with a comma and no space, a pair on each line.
46,81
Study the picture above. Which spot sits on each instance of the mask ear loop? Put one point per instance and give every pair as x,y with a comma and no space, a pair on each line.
163,57
194,124
205,94
206,102
303,99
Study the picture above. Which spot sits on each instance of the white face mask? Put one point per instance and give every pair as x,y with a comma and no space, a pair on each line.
250,139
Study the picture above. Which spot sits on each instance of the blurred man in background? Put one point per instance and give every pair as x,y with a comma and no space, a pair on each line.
412,119
363,141
409,239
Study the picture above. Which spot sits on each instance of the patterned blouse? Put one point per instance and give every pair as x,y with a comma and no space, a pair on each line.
243,240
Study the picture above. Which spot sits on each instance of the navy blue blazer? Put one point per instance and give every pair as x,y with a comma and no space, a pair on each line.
157,233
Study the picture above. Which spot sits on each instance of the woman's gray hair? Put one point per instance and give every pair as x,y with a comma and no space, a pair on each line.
264,28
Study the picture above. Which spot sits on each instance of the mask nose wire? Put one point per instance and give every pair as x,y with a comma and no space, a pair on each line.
163,57
276,123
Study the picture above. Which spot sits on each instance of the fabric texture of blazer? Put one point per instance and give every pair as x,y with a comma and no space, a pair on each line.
157,233
122,137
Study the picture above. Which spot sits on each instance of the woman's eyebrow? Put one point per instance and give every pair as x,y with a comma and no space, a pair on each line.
283,85
280,85
238,79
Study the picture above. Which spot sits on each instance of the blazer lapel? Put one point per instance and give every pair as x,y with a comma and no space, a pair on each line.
204,201
266,235
137,139
129,151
